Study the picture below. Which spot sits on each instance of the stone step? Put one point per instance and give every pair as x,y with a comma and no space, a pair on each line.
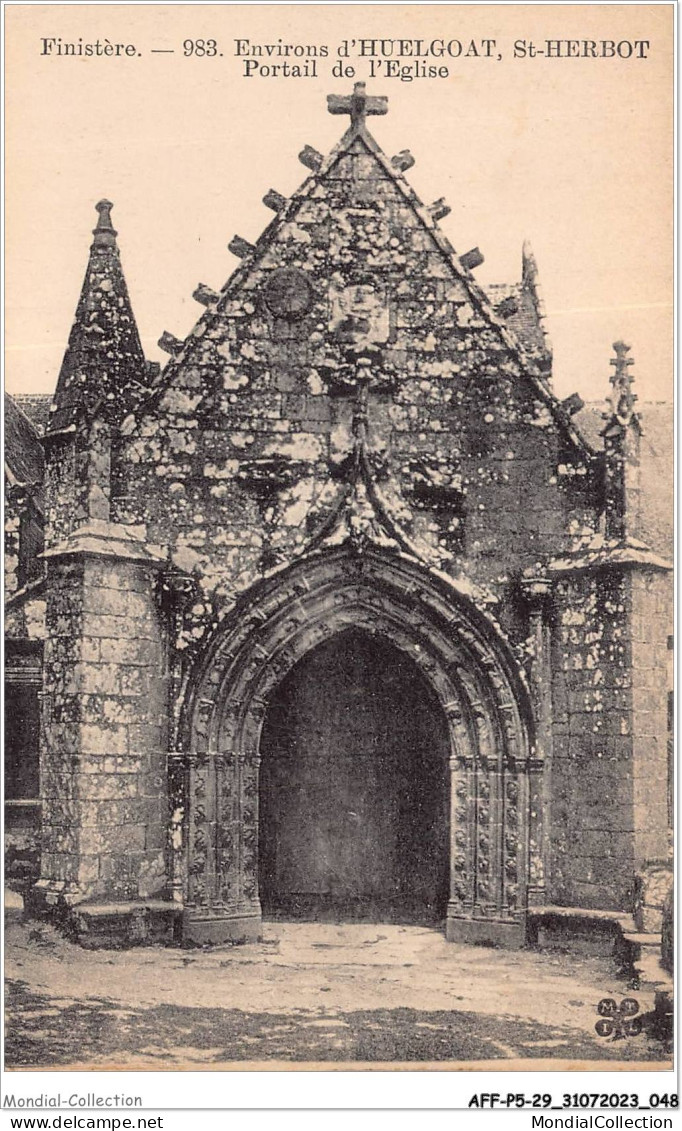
643,939
651,974
131,907
129,923
620,918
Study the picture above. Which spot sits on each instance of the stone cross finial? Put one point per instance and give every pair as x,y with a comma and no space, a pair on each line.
357,104
104,233
622,399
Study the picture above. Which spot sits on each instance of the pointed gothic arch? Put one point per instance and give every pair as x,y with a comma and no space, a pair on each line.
472,672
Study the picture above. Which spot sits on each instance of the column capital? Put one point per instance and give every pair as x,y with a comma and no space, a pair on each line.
536,591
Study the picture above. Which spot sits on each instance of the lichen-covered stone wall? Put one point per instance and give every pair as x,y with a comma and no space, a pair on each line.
652,685
77,478
239,456
608,771
103,771
63,507
350,382
24,619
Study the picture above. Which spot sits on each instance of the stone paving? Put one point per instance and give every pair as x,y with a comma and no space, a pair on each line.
309,992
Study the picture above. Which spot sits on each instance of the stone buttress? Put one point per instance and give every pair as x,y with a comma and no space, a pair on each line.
611,776
103,742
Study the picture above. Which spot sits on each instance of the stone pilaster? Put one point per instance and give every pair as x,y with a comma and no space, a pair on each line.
651,602
103,757
609,795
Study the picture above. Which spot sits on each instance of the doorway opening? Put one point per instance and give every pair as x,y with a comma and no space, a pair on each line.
354,788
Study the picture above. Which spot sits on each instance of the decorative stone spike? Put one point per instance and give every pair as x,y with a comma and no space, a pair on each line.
205,295
439,209
274,200
240,247
104,232
403,160
622,399
169,343
472,259
507,307
529,267
573,404
530,283
310,158
622,433
153,369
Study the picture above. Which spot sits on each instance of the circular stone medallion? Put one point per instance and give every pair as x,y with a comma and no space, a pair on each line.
288,293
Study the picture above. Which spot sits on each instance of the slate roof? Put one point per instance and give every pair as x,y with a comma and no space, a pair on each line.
36,406
525,323
24,459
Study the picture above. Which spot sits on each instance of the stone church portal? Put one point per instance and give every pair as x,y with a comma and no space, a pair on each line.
342,613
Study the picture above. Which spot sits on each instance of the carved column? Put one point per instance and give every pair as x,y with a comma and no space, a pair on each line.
223,902
537,592
178,789
487,834
462,856
249,767
227,830
514,876
174,591
199,846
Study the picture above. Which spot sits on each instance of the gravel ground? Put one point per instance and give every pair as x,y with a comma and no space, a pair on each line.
310,992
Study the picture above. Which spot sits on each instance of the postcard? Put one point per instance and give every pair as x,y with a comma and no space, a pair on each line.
339,550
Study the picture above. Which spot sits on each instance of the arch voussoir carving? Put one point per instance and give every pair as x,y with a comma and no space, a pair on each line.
463,659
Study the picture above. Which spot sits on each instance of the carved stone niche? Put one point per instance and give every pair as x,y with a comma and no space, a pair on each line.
342,469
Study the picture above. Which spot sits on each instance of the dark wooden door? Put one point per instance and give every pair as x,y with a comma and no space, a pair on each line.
354,801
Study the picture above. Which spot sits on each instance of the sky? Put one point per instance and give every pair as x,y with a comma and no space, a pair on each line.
574,154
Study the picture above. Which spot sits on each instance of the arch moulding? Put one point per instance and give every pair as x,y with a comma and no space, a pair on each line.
495,781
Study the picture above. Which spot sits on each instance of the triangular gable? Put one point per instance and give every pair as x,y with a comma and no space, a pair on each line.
358,137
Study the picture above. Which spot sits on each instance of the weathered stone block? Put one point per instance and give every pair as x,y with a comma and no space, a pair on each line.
115,811
118,710
145,736
126,651
108,839
93,679
104,739
133,681
97,599
107,786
